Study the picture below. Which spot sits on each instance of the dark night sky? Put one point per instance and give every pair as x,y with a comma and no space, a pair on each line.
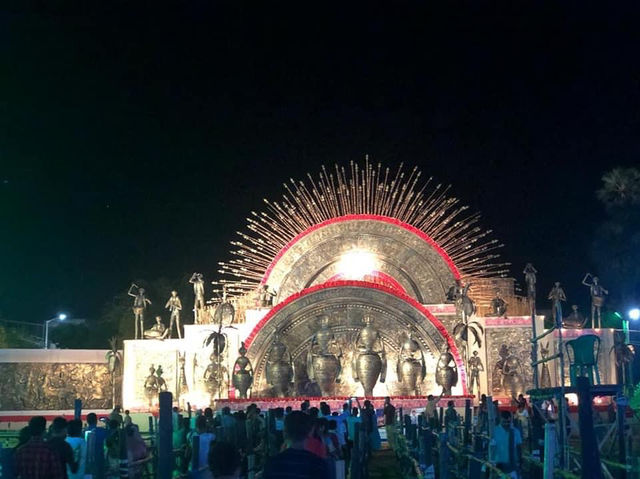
135,140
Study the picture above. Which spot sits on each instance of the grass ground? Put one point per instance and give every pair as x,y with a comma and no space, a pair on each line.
383,465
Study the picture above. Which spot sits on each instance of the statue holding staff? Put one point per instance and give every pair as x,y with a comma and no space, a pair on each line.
556,295
530,278
597,298
139,305
198,290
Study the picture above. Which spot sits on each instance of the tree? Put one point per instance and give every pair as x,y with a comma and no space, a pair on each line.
621,188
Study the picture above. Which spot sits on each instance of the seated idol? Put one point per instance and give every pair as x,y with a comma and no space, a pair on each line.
157,331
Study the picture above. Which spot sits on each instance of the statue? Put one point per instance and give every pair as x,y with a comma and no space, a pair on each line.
369,364
411,368
198,291
139,305
475,367
556,295
575,320
114,361
174,305
512,376
545,377
183,388
266,297
498,305
279,369
157,331
162,384
454,292
215,376
597,298
323,366
151,386
530,278
242,373
465,303
446,373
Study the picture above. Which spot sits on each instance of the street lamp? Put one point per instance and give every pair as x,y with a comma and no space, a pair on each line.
59,317
633,314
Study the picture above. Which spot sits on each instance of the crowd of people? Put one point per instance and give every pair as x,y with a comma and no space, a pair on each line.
305,443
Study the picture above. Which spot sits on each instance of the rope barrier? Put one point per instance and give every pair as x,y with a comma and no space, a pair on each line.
559,472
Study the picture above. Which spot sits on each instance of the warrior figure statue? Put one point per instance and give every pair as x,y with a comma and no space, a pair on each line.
530,278
139,305
198,291
475,367
545,377
215,376
151,386
174,305
114,361
512,376
411,368
556,295
446,373
183,388
597,299
279,369
369,364
323,364
242,373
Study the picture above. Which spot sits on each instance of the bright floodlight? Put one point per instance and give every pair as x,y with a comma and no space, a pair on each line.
634,314
357,263
62,316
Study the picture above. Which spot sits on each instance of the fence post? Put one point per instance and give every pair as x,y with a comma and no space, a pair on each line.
195,455
621,403
444,456
588,440
467,420
165,434
77,409
124,458
355,453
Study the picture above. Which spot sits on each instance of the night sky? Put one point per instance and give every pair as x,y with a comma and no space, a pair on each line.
135,138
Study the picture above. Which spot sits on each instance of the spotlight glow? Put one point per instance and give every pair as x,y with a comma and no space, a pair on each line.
357,263
634,314
62,316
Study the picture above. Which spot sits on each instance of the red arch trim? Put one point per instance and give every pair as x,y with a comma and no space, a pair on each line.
362,217
363,284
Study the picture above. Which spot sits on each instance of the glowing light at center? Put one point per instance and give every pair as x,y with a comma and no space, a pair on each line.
356,264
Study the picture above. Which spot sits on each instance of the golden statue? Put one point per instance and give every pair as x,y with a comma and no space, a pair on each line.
323,366
411,368
139,306
369,364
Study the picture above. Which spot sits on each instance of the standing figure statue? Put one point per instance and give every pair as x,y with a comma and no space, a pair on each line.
242,373
198,291
498,305
139,306
157,331
162,384
475,367
151,386
412,367
597,298
545,377
556,295
323,364
215,376
266,296
454,292
512,376
174,305
446,373
279,369
575,320
369,364
530,278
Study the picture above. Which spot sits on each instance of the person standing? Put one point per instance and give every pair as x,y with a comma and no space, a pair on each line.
35,459
61,448
389,412
507,446
295,462
78,447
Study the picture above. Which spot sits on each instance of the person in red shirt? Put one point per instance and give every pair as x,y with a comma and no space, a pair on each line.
35,459
314,442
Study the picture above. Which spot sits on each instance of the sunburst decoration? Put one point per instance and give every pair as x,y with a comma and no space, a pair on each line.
363,190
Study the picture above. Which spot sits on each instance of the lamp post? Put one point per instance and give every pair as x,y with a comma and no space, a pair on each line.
59,317
633,314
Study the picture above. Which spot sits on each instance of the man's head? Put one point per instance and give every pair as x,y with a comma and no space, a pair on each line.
288,409
450,403
201,424
158,319
59,427
354,412
345,407
37,426
387,400
74,428
430,397
325,409
126,412
174,293
505,419
226,411
92,419
304,406
208,412
367,404
224,460
117,409
297,426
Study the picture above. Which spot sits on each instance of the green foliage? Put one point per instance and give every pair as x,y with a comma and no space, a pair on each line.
634,401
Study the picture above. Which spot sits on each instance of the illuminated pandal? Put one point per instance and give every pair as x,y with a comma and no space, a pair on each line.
364,190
